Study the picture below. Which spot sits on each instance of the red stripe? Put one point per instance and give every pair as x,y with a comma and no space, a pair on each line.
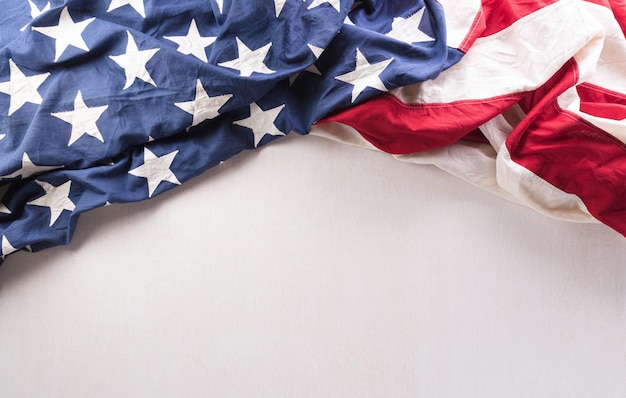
570,153
601,102
395,127
500,14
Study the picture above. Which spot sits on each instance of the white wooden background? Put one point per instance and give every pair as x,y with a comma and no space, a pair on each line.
312,269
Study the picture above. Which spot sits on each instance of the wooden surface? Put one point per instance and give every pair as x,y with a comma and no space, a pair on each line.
312,269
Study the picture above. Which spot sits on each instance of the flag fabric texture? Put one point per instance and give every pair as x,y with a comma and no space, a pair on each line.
120,100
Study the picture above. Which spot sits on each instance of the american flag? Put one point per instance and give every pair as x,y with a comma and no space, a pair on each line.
120,100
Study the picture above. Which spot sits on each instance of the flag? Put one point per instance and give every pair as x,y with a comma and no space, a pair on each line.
535,111
121,100
117,101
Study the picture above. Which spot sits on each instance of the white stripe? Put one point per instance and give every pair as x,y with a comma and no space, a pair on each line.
472,162
342,133
460,17
535,192
519,58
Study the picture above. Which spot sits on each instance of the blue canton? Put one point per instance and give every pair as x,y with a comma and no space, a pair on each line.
117,101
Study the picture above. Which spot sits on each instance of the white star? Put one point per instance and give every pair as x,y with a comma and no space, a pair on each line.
7,247
56,198
28,169
203,107
193,43
335,3
134,62
365,75
261,122
136,4
278,5
35,12
83,119
407,29
3,191
66,33
249,61
156,169
22,88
